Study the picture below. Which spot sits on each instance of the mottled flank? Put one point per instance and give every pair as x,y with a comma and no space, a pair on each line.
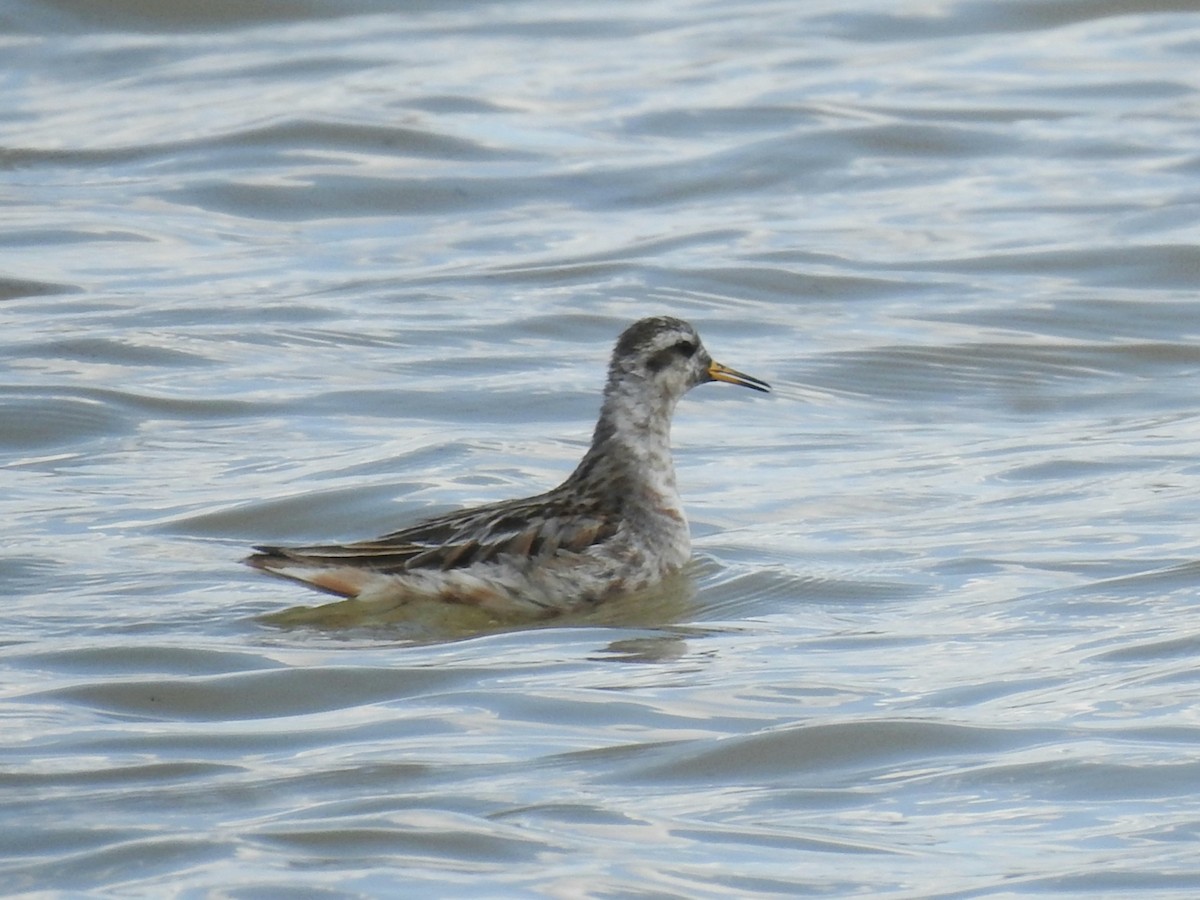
615,525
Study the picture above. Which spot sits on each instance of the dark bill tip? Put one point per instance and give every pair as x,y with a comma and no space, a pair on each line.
718,372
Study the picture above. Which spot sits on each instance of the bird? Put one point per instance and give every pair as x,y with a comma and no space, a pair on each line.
615,526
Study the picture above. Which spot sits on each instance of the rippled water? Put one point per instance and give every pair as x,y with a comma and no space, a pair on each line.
307,272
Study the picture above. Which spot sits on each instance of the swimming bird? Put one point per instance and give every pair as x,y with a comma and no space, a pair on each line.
615,526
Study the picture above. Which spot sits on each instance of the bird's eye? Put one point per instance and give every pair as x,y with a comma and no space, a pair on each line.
685,348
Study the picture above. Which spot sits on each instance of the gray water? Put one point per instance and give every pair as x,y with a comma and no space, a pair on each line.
307,272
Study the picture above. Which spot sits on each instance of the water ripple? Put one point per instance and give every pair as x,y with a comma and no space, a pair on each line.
309,273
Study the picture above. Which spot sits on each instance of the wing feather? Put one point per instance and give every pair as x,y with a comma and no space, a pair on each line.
527,529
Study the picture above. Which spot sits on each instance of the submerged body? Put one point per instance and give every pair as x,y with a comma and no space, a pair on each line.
616,525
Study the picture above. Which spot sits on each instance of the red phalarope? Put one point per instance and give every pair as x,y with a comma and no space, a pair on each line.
615,526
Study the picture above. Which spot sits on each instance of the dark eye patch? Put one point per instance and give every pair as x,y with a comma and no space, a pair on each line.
667,355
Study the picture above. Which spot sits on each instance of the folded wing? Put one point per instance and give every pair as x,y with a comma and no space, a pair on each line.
531,529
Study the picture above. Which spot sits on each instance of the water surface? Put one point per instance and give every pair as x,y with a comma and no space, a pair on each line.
294,274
